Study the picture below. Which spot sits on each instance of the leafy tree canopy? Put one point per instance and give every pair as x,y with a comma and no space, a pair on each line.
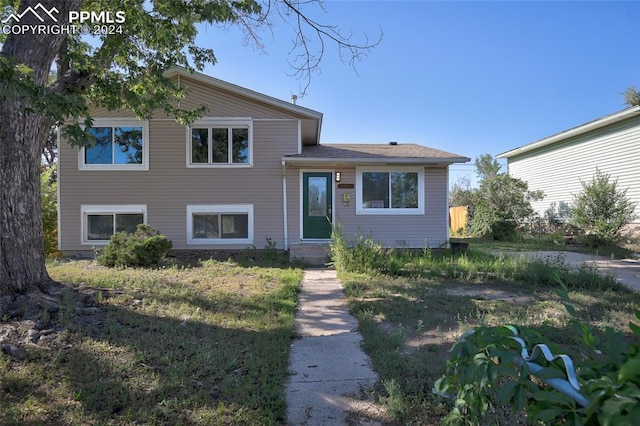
632,96
126,70
486,166
501,203
54,77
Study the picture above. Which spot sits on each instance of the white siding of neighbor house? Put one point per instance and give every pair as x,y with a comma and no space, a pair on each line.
415,231
558,168
169,186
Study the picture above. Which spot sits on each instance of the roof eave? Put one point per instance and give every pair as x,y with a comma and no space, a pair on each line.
176,70
378,160
576,131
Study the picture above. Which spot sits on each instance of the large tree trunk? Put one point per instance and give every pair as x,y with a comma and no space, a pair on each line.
22,266
22,136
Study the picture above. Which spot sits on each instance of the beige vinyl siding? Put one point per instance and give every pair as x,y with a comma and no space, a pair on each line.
169,186
220,103
558,168
415,231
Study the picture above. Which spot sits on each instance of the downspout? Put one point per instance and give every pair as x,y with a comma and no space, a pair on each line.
446,204
284,205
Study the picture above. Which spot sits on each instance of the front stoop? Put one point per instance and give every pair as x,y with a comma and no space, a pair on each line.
311,253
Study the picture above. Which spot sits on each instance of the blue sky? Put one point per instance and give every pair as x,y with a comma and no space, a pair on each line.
466,77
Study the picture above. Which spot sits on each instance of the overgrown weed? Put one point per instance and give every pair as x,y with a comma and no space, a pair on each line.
410,318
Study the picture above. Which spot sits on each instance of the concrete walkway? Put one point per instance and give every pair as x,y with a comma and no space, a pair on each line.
329,373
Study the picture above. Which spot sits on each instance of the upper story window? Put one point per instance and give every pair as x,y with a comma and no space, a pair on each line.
390,190
216,142
120,144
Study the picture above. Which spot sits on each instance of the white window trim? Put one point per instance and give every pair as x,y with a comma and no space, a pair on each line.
220,123
217,209
389,211
119,122
86,210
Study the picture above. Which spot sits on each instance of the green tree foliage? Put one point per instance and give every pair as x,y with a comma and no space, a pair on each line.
487,370
123,69
487,167
145,247
632,96
49,200
602,209
501,203
461,193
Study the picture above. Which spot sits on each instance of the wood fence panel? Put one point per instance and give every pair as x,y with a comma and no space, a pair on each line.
458,219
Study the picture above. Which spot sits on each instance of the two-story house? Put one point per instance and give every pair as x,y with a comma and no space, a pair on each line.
252,169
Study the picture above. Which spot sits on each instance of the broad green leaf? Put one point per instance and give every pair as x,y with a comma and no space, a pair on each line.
546,396
550,373
506,392
572,311
630,370
562,292
548,414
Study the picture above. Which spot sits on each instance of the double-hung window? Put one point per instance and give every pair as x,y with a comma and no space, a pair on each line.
116,144
220,224
215,143
390,190
100,222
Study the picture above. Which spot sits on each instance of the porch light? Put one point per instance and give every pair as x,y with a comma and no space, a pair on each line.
338,176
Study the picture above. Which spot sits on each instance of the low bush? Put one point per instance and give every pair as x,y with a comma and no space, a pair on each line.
602,210
145,247
487,370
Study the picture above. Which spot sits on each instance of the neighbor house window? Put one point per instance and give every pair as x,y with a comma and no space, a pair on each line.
116,144
220,224
213,142
388,190
99,223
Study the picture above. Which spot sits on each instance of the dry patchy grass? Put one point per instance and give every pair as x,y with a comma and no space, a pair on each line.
203,342
409,325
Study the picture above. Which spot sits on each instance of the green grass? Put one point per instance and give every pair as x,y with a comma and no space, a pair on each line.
413,308
553,241
199,343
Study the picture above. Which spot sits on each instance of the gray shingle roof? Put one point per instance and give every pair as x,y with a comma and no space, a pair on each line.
352,153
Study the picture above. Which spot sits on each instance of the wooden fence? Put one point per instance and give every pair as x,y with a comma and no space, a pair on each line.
458,220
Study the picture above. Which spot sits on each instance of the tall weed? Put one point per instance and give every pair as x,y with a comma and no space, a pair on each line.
365,255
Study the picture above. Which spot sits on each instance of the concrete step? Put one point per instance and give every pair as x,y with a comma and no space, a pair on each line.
311,253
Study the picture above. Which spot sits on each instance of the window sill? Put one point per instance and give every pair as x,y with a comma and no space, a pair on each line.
219,242
220,166
107,167
390,212
95,243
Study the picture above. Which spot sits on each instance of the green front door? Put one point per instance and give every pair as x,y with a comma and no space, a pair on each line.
316,205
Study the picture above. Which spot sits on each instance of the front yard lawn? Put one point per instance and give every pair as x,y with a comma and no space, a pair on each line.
409,323
200,342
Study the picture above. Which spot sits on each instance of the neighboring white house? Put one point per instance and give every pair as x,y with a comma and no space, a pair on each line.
558,163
